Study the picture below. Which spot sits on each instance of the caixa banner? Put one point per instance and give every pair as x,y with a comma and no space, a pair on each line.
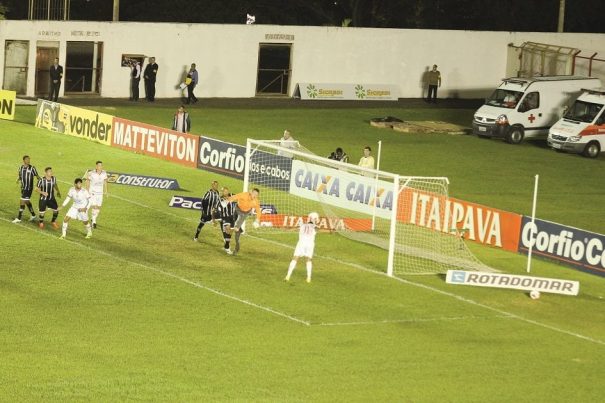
574,247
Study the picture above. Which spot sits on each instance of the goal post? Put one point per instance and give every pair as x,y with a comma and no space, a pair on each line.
406,216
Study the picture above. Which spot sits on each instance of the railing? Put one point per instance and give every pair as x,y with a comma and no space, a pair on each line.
283,78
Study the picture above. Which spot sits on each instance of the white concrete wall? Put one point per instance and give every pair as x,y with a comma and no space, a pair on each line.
471,62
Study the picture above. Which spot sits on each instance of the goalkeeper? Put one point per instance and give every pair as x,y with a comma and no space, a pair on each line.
246,204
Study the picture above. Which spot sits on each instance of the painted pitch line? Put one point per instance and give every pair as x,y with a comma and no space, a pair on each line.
174,276
449,294
408,282
426,287
416,320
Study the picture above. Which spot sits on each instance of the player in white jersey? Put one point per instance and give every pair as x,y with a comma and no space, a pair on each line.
96,184
305,245
79,209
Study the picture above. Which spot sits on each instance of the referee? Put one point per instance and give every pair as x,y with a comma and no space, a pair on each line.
25,177
48,189
226,213
209,202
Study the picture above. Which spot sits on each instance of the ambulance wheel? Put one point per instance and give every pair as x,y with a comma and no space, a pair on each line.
592,150
515,135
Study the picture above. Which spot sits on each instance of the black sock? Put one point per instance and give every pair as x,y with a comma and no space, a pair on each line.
20,212
31,209
55,215
41,217
199,228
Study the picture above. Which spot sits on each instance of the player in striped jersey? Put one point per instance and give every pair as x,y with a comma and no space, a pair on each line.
226,214
209,202
48,189
79,209
26,175
96,184
305,245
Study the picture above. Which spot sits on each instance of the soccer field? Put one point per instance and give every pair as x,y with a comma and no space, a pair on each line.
140,312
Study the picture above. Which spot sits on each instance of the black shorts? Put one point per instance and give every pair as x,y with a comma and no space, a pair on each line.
52,204
206,218
228,221
26,194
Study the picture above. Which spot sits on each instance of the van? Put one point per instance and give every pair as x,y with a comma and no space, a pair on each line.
582,129
527,107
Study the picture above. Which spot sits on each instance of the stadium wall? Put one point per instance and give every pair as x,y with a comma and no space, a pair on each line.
471,62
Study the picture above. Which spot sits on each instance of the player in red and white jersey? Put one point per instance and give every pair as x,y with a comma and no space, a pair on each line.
305,245
96,184
79,209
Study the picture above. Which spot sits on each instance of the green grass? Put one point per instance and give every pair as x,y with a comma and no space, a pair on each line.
140,312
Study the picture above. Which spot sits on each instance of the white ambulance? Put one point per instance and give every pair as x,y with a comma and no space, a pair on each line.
582,129
527,107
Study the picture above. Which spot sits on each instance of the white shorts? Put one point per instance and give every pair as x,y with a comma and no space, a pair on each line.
304,249
74,214
96,199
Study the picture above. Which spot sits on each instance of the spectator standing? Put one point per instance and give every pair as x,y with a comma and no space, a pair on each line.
192,78
135,78
339,155
56,75
434,81
367,161
181,122
151,71
287,141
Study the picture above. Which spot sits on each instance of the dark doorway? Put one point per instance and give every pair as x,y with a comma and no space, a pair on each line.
45,56
274,71
83,67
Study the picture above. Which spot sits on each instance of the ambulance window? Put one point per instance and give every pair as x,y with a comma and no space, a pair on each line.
531,101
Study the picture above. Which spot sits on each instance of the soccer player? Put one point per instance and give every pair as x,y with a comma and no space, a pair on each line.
227,218
210,201
48,189
246,202
305,245
96,184
79,209
25,177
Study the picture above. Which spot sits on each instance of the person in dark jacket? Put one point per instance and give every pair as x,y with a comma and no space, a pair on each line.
135,78
181,121
56,75
149,75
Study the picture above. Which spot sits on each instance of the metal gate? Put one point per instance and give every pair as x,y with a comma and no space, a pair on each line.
15,66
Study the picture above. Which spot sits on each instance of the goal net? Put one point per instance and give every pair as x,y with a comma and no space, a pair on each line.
406,216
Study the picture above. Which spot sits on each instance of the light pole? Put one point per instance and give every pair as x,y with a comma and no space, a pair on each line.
560,26
116,10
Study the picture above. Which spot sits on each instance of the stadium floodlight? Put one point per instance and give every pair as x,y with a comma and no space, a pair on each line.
406,215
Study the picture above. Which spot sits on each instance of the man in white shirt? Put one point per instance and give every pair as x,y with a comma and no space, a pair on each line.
97,187
367,161
79,208
287,141
305,245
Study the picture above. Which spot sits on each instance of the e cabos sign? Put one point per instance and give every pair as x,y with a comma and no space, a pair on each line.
574,247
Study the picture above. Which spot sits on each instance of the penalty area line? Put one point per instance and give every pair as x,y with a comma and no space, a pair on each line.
451,295
174,276
410,320
412,283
